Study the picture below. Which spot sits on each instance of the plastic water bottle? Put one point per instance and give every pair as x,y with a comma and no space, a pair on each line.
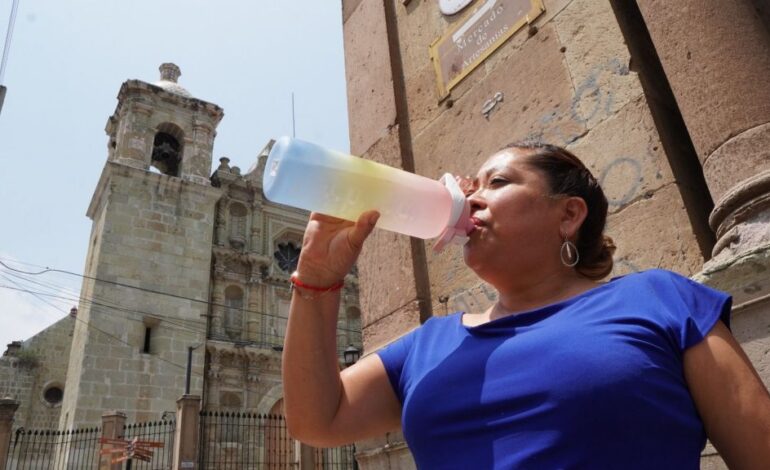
310,177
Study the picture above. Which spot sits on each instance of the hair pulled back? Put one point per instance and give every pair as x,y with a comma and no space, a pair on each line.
567,175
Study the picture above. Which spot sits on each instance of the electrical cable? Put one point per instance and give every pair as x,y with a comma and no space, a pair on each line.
95,300
171,321
151,291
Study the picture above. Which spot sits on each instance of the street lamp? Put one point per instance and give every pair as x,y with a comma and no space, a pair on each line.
351,355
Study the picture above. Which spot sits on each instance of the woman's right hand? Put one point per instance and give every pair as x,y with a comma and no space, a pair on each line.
331,247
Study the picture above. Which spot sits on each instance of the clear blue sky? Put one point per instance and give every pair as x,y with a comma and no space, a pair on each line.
66,64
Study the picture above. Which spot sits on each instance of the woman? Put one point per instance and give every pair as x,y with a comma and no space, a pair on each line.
563,371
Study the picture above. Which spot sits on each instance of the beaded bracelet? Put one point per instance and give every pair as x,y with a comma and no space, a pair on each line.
296,283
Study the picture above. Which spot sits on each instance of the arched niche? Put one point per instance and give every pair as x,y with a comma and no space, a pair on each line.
234,312
167,149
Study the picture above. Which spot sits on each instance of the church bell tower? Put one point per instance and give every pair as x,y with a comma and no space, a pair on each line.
145,294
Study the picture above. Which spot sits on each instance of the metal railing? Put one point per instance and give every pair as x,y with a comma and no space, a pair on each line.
56,450
157,431
233,440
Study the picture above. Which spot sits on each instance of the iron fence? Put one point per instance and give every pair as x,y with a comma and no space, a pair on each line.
155,431
241,441
55,450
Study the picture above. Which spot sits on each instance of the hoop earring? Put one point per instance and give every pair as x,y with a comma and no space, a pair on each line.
570,248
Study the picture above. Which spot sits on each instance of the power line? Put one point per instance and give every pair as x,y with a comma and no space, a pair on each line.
143,289
37,295
47,269
88,324
98,300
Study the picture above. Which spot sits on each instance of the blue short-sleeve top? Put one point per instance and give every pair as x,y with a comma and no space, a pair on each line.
595,381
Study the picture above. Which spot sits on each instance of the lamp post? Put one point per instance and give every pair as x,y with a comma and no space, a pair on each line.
351,355
190,350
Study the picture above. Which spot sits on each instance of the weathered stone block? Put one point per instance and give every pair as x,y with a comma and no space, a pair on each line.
387,256
598,60
712,65
385,261
371,106
658,221
390,327
460,140
625,155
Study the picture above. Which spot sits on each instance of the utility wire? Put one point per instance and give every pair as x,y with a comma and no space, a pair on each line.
38,294
89,325
143,289
94,300
120,340
151,291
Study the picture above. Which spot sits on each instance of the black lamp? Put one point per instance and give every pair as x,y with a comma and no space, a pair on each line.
351,355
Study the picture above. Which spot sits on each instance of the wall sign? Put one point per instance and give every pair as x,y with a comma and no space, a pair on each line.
485,28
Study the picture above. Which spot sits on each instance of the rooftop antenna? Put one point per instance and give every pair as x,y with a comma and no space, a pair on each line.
8,36
293,124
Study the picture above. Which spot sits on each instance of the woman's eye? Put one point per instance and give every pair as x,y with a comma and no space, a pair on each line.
495,181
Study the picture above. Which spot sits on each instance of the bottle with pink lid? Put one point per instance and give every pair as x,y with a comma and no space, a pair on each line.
310,177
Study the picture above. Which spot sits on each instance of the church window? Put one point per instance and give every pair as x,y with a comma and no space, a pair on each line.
147,339
287,256
53,393
166,154
234,312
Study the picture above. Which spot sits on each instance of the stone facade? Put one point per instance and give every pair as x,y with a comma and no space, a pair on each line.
256,245
178,258
661,105
33,373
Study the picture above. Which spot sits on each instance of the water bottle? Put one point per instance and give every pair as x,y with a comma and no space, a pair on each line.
304,175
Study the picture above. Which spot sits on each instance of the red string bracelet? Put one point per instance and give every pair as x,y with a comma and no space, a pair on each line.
297,283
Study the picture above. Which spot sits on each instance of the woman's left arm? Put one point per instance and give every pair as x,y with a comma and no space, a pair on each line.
731,399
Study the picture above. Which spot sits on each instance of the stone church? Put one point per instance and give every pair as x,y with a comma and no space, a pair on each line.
181,263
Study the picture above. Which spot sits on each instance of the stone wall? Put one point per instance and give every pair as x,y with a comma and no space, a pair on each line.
39,366
156,237
255,249
570,78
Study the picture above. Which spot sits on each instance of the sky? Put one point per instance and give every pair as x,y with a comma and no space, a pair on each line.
66,62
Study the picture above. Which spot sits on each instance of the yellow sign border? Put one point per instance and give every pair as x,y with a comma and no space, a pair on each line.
536,9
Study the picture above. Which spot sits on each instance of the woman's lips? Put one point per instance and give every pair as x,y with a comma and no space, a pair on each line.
475,224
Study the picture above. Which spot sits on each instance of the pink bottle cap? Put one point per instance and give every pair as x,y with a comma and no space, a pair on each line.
460,218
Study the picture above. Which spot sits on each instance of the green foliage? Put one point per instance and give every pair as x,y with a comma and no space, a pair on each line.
28,358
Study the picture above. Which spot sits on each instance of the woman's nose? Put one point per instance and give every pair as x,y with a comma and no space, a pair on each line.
476,200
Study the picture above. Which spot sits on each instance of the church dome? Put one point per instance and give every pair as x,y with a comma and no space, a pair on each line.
169,73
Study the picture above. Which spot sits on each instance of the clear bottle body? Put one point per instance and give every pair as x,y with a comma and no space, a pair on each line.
310,177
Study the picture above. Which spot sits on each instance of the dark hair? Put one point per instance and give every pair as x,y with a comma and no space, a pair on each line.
567,175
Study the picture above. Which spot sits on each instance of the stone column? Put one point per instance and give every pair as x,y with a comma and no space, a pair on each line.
380,130
212,384
715,55
306,457
113,423
135,139
186,434
256,227
8,408
217,310
221,221
253,318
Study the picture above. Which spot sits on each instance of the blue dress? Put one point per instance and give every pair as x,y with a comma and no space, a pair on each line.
595,381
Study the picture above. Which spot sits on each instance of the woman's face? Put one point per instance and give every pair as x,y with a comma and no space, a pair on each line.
516,222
